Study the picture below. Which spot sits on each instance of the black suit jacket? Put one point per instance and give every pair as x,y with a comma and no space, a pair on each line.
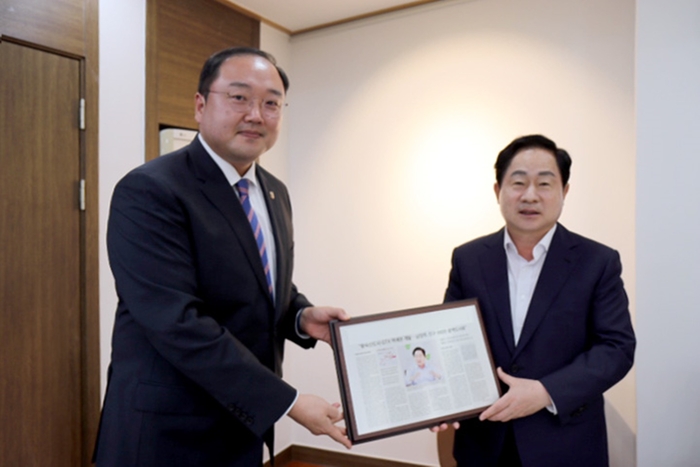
198,343
577,340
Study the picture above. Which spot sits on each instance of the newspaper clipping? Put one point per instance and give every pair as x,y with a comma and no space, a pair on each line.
420,367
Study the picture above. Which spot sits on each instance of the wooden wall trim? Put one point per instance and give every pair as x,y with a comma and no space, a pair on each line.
152,139
332,458
371,14
90,232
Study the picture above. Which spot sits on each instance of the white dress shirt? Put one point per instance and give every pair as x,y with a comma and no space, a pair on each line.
522,277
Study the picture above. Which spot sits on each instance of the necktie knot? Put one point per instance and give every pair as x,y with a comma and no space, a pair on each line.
243,187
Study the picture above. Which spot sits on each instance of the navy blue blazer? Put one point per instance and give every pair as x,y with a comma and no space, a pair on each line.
198,342
577,340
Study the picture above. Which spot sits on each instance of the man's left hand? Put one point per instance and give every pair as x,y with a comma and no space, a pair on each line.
524,397
314,321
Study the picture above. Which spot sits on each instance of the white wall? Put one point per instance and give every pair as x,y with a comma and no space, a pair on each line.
395,123
668,220
122,121
277,43
277,161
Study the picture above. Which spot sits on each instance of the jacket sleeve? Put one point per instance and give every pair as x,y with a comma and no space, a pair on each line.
610,352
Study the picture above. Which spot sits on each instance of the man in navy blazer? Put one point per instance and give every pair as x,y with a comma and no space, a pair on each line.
556,316
195,376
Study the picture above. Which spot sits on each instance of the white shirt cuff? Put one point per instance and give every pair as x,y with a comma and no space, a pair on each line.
297,326
290,407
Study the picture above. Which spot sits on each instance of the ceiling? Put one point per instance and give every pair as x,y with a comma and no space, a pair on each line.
297,16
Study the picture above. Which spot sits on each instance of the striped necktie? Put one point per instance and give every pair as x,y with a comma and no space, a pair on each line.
242,188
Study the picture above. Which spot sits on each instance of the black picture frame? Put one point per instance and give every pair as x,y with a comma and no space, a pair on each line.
385,392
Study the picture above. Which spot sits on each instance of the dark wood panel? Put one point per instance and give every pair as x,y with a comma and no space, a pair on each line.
40,295
54,24
182,35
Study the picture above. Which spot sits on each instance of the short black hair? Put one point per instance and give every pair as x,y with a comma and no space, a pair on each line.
532,141
210,69
417,349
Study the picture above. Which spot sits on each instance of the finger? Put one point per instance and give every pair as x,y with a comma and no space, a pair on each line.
492,416
338,313
495,408
337,418
343,315
502,416
503,376
334,415
338,435
439,428
501,411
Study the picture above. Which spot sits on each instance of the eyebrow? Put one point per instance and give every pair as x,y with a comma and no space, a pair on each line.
543,173
239,84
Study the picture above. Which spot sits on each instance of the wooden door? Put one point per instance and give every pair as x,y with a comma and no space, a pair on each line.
40,259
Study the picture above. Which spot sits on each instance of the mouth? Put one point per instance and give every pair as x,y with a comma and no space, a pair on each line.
250,134
528,212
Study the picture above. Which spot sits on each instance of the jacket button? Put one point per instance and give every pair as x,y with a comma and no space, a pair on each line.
515,369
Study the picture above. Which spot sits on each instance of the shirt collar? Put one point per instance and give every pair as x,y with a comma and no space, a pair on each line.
229,171
541,248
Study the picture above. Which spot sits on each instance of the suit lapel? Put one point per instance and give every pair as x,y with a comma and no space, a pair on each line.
494,267
556,270
279,231
215,187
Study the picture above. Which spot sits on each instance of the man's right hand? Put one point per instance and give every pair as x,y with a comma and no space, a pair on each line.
319,417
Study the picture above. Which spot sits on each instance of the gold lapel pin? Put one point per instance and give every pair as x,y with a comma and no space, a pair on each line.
272,194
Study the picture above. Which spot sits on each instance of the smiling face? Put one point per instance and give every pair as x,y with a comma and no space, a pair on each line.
531,195
240,136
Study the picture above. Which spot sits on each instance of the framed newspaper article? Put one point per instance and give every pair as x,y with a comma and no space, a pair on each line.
407,370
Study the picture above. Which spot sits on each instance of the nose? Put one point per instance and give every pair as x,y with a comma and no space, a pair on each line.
254,112
530,193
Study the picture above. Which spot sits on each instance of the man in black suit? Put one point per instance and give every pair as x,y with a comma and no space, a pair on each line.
203,269
556,316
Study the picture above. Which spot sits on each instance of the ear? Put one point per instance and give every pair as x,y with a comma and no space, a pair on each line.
199,102
497,190
566,190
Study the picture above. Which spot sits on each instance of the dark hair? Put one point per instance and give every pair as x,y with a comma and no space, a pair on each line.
417,349
210,70
532,141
